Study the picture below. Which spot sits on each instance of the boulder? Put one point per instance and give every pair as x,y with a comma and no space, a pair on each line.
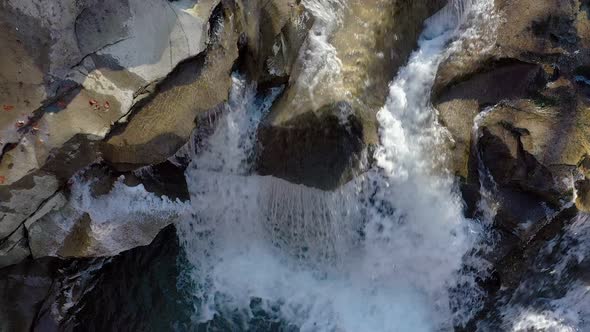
530,53
318,131
274,32
163,122
514,97
23,200
14,248
527,72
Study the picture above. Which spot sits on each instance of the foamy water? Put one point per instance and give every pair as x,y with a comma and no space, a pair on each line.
379,254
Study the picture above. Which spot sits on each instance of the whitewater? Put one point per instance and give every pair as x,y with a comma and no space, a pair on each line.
382,253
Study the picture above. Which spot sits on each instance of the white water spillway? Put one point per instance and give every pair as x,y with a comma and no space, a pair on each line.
379,254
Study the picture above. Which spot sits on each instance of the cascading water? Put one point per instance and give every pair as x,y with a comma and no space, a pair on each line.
379,254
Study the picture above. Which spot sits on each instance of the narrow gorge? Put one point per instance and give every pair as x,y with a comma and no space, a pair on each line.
295,165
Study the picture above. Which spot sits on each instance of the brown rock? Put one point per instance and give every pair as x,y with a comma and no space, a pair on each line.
164,122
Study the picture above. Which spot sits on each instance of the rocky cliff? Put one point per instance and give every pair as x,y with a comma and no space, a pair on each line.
96,90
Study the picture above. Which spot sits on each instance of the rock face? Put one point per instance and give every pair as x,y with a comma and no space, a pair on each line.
273,34
163,122
84,59
530,80
528,77
517,108
319,130
83,81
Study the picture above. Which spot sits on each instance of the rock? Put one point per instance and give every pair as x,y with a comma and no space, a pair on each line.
75,67
43,294
165,121
109,288
318,131
534,136
14,248
314,149
583,195
510,164
23,199
274,32
87,223
457,116
24,288
523,269
532,54
165,179
458,104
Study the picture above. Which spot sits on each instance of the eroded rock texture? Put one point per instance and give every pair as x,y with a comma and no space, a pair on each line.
515,101
87,81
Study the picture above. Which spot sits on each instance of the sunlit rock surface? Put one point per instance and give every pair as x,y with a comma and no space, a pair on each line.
76,71
319,130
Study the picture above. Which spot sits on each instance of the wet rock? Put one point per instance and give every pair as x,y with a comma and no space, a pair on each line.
458,104
537,271
14,248
24,288
583,195
526,55
24,199
318,131
165,179
21,202
274,32
313,149
457,116
63,226
510,165
117,287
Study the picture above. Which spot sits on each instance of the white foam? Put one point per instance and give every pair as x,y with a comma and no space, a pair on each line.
377,255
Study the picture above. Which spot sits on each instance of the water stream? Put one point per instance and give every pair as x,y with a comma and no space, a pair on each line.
379,254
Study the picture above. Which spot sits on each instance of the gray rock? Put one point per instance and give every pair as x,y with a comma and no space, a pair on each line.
85,225
165,121
14,249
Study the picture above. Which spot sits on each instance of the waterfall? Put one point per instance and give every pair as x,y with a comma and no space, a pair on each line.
379,254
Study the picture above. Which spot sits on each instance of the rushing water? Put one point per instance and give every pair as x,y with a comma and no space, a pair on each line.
379,254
